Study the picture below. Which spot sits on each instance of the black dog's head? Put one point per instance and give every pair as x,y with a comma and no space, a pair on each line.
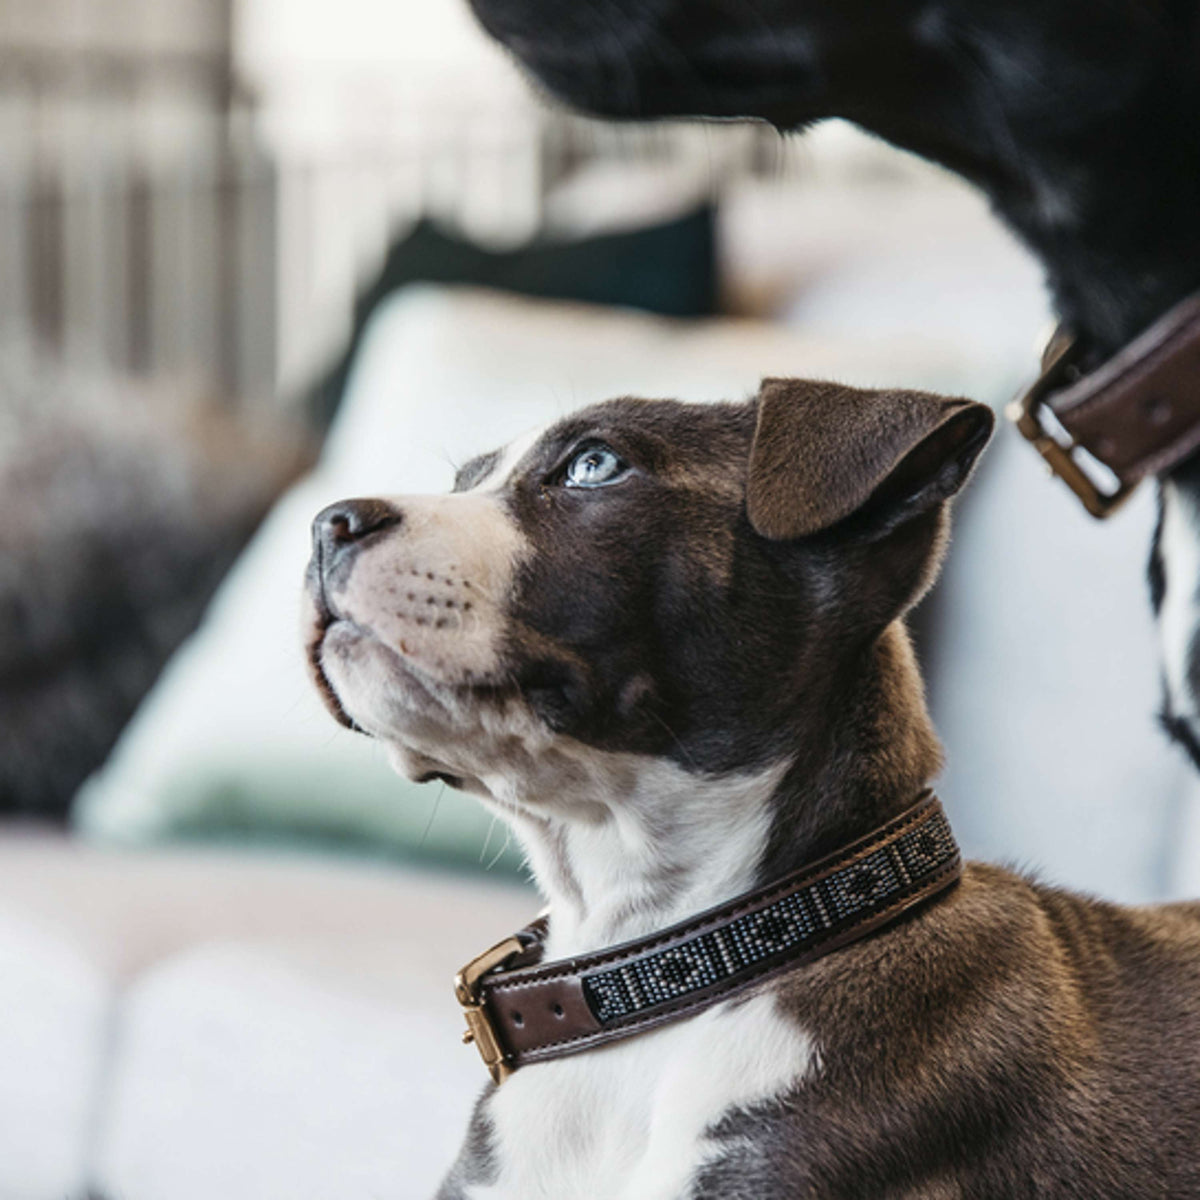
1078,118
645,581
648,58
793,61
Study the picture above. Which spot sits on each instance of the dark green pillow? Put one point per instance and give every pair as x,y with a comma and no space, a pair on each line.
668,269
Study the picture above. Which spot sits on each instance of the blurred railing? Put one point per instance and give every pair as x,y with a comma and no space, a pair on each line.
143,228
136,226
149,271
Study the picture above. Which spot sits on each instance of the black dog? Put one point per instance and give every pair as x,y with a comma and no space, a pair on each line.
1081,121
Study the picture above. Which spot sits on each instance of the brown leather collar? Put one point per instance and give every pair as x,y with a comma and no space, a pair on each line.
519,1013
1137,414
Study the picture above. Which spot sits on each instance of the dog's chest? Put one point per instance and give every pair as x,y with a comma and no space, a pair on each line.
635,1120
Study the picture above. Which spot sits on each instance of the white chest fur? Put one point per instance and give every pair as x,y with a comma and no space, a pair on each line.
1179,616
632,1121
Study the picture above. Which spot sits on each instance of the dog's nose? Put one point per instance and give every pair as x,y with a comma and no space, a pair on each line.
340,525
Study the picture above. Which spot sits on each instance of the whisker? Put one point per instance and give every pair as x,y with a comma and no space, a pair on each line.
429,824
487,841
500,852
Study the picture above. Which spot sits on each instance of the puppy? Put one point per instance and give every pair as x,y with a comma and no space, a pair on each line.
665,642
1078,120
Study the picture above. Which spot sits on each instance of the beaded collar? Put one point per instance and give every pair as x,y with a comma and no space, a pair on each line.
520,1010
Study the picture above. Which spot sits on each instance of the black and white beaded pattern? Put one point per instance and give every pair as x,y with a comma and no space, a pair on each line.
800,919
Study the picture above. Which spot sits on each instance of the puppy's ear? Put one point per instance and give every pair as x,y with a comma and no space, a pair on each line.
823,452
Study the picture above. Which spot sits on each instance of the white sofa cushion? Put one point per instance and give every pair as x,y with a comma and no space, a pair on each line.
55,1008
205,1023
302,1068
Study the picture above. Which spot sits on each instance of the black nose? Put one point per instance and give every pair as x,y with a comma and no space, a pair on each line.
339,526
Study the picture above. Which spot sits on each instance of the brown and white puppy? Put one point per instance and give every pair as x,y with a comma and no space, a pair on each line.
665,642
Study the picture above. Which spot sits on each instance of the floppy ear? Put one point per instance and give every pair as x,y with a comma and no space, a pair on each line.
823,451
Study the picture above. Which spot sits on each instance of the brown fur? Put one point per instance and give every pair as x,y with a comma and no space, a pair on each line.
1010,1041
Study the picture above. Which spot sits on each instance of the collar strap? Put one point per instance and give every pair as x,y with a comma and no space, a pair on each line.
519,1013
1137,414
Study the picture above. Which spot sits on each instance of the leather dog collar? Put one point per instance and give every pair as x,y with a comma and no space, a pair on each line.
520,1011
1136,415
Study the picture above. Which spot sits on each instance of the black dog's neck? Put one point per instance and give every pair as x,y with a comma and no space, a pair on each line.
1096,170
1126,245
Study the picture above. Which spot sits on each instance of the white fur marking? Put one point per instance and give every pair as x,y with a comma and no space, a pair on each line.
1179,616
631,1121
510,456
671,844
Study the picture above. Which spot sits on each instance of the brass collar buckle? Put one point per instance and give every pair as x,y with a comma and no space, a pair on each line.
468,992
1065,457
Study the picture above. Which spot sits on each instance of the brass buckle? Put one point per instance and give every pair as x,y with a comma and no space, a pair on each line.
479,1025
1055,444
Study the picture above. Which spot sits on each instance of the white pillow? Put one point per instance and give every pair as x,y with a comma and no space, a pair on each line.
233,738
54,1044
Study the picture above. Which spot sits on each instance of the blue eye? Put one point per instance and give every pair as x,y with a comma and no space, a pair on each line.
594,467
